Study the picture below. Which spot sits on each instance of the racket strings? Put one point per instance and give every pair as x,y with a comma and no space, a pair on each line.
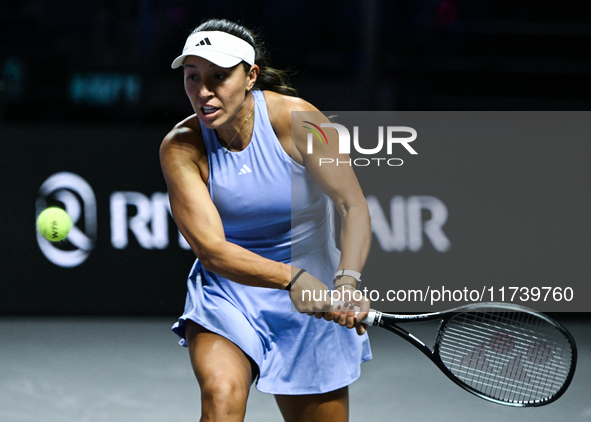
514,357
513,366
499,353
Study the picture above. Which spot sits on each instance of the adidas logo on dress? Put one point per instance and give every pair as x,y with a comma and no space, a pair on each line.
244,170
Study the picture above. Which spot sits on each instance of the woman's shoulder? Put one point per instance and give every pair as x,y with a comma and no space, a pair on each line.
186,131
280,107
286,103
186,128
185,136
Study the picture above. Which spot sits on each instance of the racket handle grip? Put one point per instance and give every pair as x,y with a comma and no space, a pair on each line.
370,319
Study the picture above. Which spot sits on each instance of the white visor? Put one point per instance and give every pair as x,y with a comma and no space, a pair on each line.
220,48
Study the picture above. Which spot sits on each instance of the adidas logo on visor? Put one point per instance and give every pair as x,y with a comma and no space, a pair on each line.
220,48
204,41
244,170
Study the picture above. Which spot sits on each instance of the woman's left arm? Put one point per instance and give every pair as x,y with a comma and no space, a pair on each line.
338,182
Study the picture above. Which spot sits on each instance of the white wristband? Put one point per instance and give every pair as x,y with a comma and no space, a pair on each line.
356,275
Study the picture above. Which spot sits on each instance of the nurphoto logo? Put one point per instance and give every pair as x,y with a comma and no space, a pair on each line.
386,136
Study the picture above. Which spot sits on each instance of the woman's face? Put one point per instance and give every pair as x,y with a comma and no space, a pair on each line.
216,93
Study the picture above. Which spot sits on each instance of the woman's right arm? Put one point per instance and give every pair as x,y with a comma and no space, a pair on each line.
182,158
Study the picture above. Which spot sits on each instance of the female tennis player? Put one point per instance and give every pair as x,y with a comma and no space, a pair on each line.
253,204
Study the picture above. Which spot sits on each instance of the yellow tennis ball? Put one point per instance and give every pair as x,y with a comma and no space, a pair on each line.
54,224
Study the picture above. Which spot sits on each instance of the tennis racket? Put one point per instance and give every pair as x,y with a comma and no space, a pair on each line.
504,353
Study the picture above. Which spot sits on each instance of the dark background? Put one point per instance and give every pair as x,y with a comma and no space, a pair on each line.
87,88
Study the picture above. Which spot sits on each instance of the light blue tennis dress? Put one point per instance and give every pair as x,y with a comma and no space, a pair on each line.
270,205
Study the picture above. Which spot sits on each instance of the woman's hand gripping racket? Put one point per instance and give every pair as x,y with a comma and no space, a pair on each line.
501,352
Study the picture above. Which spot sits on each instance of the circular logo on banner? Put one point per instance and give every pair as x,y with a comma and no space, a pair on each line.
79,200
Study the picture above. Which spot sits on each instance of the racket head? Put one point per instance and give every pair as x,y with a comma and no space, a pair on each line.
506,353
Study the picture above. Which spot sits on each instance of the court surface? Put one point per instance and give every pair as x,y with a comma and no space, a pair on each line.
131,369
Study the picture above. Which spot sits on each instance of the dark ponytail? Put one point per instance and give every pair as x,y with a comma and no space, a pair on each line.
269,78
